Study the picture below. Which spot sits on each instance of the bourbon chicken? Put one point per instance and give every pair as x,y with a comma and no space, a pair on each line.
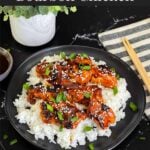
72,82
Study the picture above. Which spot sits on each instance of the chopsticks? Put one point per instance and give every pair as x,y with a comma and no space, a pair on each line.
137,63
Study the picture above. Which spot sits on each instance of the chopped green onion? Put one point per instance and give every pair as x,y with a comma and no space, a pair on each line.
52,99
61,96
61,128
64,97
26,86
118,76
115,90
87,128
84,55
60,116
72,56
142,138
63,55
86,67
47,71
49,107
87,94
5,136
14,141
91,146
73,8
113,70
74,119
133,106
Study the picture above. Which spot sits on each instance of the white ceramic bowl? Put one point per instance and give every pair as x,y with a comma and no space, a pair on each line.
35,31
10,61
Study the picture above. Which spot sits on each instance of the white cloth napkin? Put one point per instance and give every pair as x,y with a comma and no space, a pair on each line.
139,35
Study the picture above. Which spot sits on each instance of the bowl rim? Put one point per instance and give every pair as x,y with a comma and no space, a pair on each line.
9,57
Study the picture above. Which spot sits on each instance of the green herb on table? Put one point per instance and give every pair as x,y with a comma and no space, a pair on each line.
49,107
60,116
73,9
87,128
5,136
74,119
133,106
142,138
115,90
47,71
62,55
72,56
84,55
14,141
87,94
91,146
26,86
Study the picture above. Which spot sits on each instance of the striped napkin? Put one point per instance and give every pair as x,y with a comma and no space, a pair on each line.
139,35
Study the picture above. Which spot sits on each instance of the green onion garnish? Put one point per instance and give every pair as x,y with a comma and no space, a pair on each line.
113,70
60,116
87,128
115,90
61,128
5,136
72,56
117,76
63,55
47,71
142,138
91,146
60,97
64,97
87,94
133,106
49,107
85,67
84,55
14,141
26,86
52,99
74,119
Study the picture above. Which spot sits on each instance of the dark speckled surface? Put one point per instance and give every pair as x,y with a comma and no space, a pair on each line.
80,28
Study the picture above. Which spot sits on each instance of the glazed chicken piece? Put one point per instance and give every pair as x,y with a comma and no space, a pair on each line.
47,116
70,115
101,114
41,69
84,77
83,61
103,77
36,93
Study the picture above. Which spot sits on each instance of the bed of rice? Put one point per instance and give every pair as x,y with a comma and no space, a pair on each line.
76,136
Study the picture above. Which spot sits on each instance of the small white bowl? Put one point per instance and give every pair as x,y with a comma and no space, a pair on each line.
10,61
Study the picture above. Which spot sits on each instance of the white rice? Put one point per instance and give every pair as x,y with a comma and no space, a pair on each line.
69,137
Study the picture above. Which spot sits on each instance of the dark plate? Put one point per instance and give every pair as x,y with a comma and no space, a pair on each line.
119,132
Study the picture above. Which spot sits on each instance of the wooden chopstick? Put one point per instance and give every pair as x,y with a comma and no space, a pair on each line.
137,63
